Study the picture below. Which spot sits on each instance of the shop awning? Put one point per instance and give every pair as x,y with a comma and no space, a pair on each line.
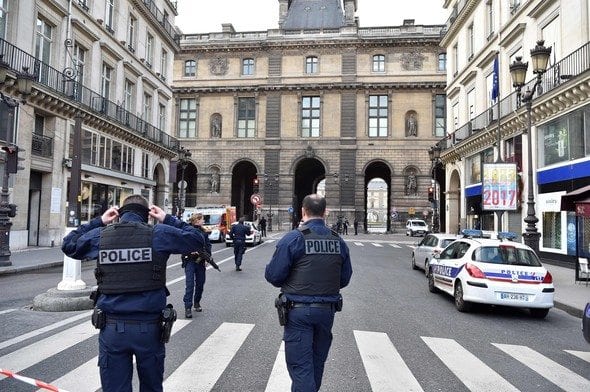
579,195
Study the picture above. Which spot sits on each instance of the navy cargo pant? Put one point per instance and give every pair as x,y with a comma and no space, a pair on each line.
118,342
308,337
239,249
195,274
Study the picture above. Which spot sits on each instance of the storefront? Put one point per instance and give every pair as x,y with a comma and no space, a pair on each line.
97,198
577,205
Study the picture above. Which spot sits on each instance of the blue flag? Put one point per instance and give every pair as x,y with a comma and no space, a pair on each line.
496,81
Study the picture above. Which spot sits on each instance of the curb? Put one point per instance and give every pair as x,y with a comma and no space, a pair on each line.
15,270
569,309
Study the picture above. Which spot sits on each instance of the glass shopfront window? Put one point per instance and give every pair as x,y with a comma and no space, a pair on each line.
97,198
565,138
474,165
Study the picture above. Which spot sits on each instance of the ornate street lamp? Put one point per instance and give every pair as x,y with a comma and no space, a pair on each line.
434,155
539,58
183,159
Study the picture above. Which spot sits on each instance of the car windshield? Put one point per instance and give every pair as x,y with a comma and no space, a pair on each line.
418,223
212,219
506,254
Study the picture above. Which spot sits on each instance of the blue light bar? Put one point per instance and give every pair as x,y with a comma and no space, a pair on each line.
473,233
507,235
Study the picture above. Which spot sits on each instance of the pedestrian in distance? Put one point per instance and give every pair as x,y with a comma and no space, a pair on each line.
194,265
130,303
238,234
356,226
262,226
310,265
345,226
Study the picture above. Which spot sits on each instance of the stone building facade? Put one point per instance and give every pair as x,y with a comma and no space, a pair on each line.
318,101
110,62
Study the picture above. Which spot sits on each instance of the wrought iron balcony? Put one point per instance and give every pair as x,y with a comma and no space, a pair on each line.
63,84
42,146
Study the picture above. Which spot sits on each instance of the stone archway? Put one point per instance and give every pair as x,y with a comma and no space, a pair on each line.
308,174
377,206
159,196
453,204
242,188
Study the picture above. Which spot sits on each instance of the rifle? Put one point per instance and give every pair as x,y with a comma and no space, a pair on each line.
201,257
206,257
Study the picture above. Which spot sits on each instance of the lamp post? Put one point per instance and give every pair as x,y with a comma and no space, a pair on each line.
270,181
434,155
183,158
539,57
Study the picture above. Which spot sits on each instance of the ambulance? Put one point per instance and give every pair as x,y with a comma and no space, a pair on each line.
218,220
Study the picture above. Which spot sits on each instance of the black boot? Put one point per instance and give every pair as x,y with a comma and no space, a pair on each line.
188,313
198,307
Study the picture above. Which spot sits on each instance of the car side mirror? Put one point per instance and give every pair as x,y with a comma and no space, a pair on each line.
436,255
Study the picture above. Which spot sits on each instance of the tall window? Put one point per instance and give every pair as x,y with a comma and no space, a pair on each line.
378,115
442,61
311,65
190,68
109,14
132,33
3,18
490,17
79,59
471,103
187,126
43,42
149,50
162,117
129,96
147,107
455,116
455,59
310,117
145,164
105,87
379,63
246,117
248,67
164,64
470,41
440,114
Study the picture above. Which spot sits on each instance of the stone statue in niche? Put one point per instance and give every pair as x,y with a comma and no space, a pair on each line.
216,125
411,124
411,185
214,182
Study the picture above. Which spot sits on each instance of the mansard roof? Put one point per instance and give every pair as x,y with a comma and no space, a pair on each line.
314,14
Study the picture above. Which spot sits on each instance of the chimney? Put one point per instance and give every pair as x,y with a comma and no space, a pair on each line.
283,9
350,7
408,22
227,28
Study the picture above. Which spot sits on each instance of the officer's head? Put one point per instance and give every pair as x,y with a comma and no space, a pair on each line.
313,206
136,204
196,219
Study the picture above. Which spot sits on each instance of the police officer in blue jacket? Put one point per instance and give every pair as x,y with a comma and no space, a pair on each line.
310,265
131,275
238,234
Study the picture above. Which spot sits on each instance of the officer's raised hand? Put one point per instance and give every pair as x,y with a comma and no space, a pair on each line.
157,213
110,215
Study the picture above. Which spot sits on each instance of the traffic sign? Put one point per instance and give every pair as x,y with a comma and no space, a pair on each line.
290,210
255,199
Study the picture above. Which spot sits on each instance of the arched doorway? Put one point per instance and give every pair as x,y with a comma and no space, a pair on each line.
242,188
309,172
159,190
379,189
453,196
188,172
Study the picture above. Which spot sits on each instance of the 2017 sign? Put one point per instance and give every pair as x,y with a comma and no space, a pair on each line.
499,189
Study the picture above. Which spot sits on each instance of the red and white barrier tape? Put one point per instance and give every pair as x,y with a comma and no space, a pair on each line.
31,381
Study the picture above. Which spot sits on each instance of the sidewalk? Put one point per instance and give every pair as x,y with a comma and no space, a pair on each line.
569,296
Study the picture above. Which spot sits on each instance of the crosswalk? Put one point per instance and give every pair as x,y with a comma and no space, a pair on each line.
384,365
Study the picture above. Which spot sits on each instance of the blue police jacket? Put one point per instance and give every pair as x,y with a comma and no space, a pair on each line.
291,248
171,237
239,231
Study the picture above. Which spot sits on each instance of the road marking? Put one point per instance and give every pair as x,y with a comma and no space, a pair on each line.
7,311
43,349
385,368
551,370
585,355
40,331
279,380
210,359
377,245
359,244
395,246
476,375
86,377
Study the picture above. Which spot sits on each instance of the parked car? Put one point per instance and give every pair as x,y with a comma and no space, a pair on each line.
416,226
432,244
492,271
253,239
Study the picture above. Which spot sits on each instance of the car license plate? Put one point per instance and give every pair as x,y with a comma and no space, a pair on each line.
514,296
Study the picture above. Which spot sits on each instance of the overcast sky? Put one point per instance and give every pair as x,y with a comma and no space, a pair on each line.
205,16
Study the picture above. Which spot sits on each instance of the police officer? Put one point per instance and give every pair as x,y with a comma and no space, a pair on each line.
310,265
238,234
195,270
131,275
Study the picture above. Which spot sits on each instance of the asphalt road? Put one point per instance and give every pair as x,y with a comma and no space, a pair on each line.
392,335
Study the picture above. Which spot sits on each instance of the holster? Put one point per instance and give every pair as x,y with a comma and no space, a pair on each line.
282,305
98,319
167,320
338,305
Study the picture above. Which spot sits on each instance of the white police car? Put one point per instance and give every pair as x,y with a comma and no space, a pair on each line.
492,271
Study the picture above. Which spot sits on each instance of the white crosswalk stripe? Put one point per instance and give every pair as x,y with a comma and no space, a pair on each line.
395,246
551,370
385,367
377,245
359,244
